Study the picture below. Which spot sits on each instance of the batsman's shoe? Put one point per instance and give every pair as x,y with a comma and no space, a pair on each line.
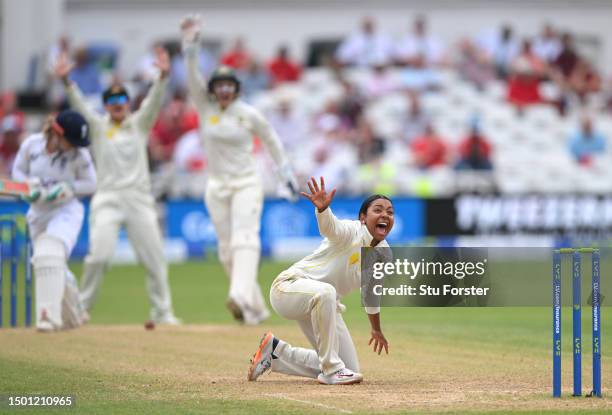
262,359
45,325
341,377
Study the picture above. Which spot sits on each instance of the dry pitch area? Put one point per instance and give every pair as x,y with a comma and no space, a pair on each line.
441,359
201,369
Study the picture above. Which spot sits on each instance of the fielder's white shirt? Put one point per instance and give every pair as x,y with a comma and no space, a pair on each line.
228,134
337,261
74,166
120,150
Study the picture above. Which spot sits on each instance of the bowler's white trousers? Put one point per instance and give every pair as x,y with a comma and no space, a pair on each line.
234,206
313,304
136,210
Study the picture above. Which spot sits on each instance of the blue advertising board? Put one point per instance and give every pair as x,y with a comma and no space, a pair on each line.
188,222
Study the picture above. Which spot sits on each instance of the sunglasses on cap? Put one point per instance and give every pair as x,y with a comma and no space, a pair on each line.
117,100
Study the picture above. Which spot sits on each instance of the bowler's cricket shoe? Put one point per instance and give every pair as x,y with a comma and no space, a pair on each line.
341,377
262,359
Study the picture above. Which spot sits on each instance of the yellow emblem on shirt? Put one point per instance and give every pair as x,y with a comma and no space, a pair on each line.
354,258
213,119
110,133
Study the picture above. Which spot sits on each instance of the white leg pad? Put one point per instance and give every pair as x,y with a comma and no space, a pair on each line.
72,310
49,263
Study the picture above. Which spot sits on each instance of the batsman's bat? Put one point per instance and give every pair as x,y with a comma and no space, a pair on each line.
9,187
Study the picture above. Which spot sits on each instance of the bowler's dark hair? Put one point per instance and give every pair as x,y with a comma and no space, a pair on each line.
366,203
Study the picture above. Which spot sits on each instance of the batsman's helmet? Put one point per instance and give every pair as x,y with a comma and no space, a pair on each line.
73,126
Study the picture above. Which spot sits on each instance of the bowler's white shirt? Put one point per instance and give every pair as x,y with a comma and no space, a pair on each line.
337,261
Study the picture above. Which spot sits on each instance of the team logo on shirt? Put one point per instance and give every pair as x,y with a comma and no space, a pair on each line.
354,258
110,133
213,119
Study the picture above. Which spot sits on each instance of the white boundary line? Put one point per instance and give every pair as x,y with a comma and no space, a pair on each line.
320,405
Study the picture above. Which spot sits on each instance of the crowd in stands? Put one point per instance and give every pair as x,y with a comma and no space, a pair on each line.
340,135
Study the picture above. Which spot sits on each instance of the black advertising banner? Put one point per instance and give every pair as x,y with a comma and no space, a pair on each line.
561,215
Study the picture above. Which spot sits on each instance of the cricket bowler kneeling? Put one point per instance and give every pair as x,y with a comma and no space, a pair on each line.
310,290
59,170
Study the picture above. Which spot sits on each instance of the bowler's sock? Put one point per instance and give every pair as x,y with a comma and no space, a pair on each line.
274,344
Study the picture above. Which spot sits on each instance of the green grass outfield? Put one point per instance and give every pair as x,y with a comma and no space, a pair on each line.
448,360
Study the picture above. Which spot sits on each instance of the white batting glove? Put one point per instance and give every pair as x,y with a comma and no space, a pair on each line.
59,192
37,191
285,173
190,28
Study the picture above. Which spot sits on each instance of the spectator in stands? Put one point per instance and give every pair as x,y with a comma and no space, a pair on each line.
174,120
530,61
607,105
238,56
329,160
501,48
59,48
419,48
11,128
473,65
178,73
416,119
253,80
189,155
584,80
547,45
290,125
523,84
56,98
421,54
330,122
377,175
282,68
8,107
587,142
147,71
350,106
567,59
474,151
379,83
332,151
86,74
365,47
429,150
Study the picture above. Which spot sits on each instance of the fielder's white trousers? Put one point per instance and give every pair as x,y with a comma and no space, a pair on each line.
235,206
134,209
313,305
